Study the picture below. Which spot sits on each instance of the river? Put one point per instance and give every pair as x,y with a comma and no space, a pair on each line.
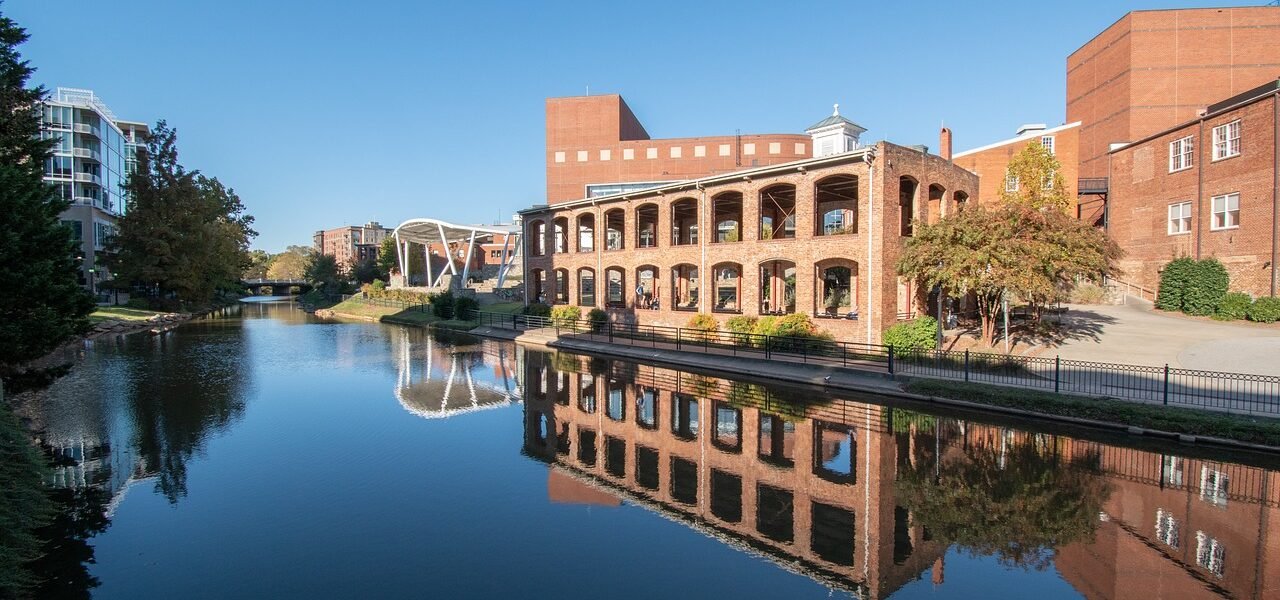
262,453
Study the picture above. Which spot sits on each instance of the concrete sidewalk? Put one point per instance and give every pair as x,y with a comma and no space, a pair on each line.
1136,334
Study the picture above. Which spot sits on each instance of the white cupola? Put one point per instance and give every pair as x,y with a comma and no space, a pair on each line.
834,134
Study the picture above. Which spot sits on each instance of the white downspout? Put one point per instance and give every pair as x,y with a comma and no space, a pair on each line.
871,203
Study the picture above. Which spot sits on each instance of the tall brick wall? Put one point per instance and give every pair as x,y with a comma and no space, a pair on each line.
597,139
991,164
1152,70
1142,188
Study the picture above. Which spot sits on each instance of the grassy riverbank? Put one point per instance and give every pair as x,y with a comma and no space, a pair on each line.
357,308
1256,430
120,313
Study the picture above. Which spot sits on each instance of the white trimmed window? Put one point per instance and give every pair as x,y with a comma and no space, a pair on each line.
1047,142
559,157
1181,154
748,149
582,156
1226,140
1011,183
699,151
1226,211
675,151
628,153
1209,553
1179,218
1048,182
724,149
606,155
775,148
799,148
1167,528
651,153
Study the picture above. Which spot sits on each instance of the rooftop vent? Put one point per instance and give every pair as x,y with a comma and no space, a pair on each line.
1031,128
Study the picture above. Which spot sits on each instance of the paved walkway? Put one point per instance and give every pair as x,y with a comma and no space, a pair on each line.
1134,334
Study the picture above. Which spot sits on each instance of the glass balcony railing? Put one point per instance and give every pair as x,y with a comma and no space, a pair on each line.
88,129
88,178
87,153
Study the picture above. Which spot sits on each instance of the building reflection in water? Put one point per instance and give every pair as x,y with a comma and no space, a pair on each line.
866,498
436,373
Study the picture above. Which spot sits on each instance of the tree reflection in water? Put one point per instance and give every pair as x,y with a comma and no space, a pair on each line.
1018,499
62,571
180,396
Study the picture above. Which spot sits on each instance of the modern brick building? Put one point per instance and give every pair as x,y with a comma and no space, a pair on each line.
813,235
1206,187
351,244
1154,69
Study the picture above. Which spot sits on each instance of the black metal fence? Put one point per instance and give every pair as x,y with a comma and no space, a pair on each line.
1234,392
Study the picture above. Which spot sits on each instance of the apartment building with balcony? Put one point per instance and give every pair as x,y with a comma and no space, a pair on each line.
351,244
93,154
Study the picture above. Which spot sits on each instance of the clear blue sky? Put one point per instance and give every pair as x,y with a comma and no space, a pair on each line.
324,113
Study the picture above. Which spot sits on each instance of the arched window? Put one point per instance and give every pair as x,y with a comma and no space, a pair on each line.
647,295
647,226
726,208
560,238
960,199
615,282
728,288
836,205
684,287
777,287
562,286
936,194
538,241
586,232
837,288
614,225
586,287
539,285
778,212
684,222
907,187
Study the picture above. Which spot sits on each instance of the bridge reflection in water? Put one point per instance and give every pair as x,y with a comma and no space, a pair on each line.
866,499
435,376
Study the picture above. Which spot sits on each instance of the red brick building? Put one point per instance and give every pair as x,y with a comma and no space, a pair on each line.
991,162
816,235
596,146
351,244
1154,69
1206,187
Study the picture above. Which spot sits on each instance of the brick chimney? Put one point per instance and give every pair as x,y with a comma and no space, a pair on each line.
944,144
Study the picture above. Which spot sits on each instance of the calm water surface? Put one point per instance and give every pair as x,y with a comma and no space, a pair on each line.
263,454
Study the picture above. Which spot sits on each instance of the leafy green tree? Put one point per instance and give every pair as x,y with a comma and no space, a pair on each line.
1039,180
259,260
1010,249
322,271
184,234
387,261
365,271
290,264
1206,289
43,304
1174,279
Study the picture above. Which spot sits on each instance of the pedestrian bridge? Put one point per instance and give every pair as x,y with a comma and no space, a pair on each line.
277,284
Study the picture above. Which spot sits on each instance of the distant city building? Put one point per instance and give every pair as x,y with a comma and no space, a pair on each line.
351,244
93,154
991,162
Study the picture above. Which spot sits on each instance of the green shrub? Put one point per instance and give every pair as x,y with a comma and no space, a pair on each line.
1174,279
794,325
1265,310
1234,307
442,304
565,315
917,333
740,324
378,284
1088,293
1205,290
139,303
703,322
598,318
537,309
465,307
764,325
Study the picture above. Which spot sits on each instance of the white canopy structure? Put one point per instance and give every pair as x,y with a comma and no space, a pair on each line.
435,231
